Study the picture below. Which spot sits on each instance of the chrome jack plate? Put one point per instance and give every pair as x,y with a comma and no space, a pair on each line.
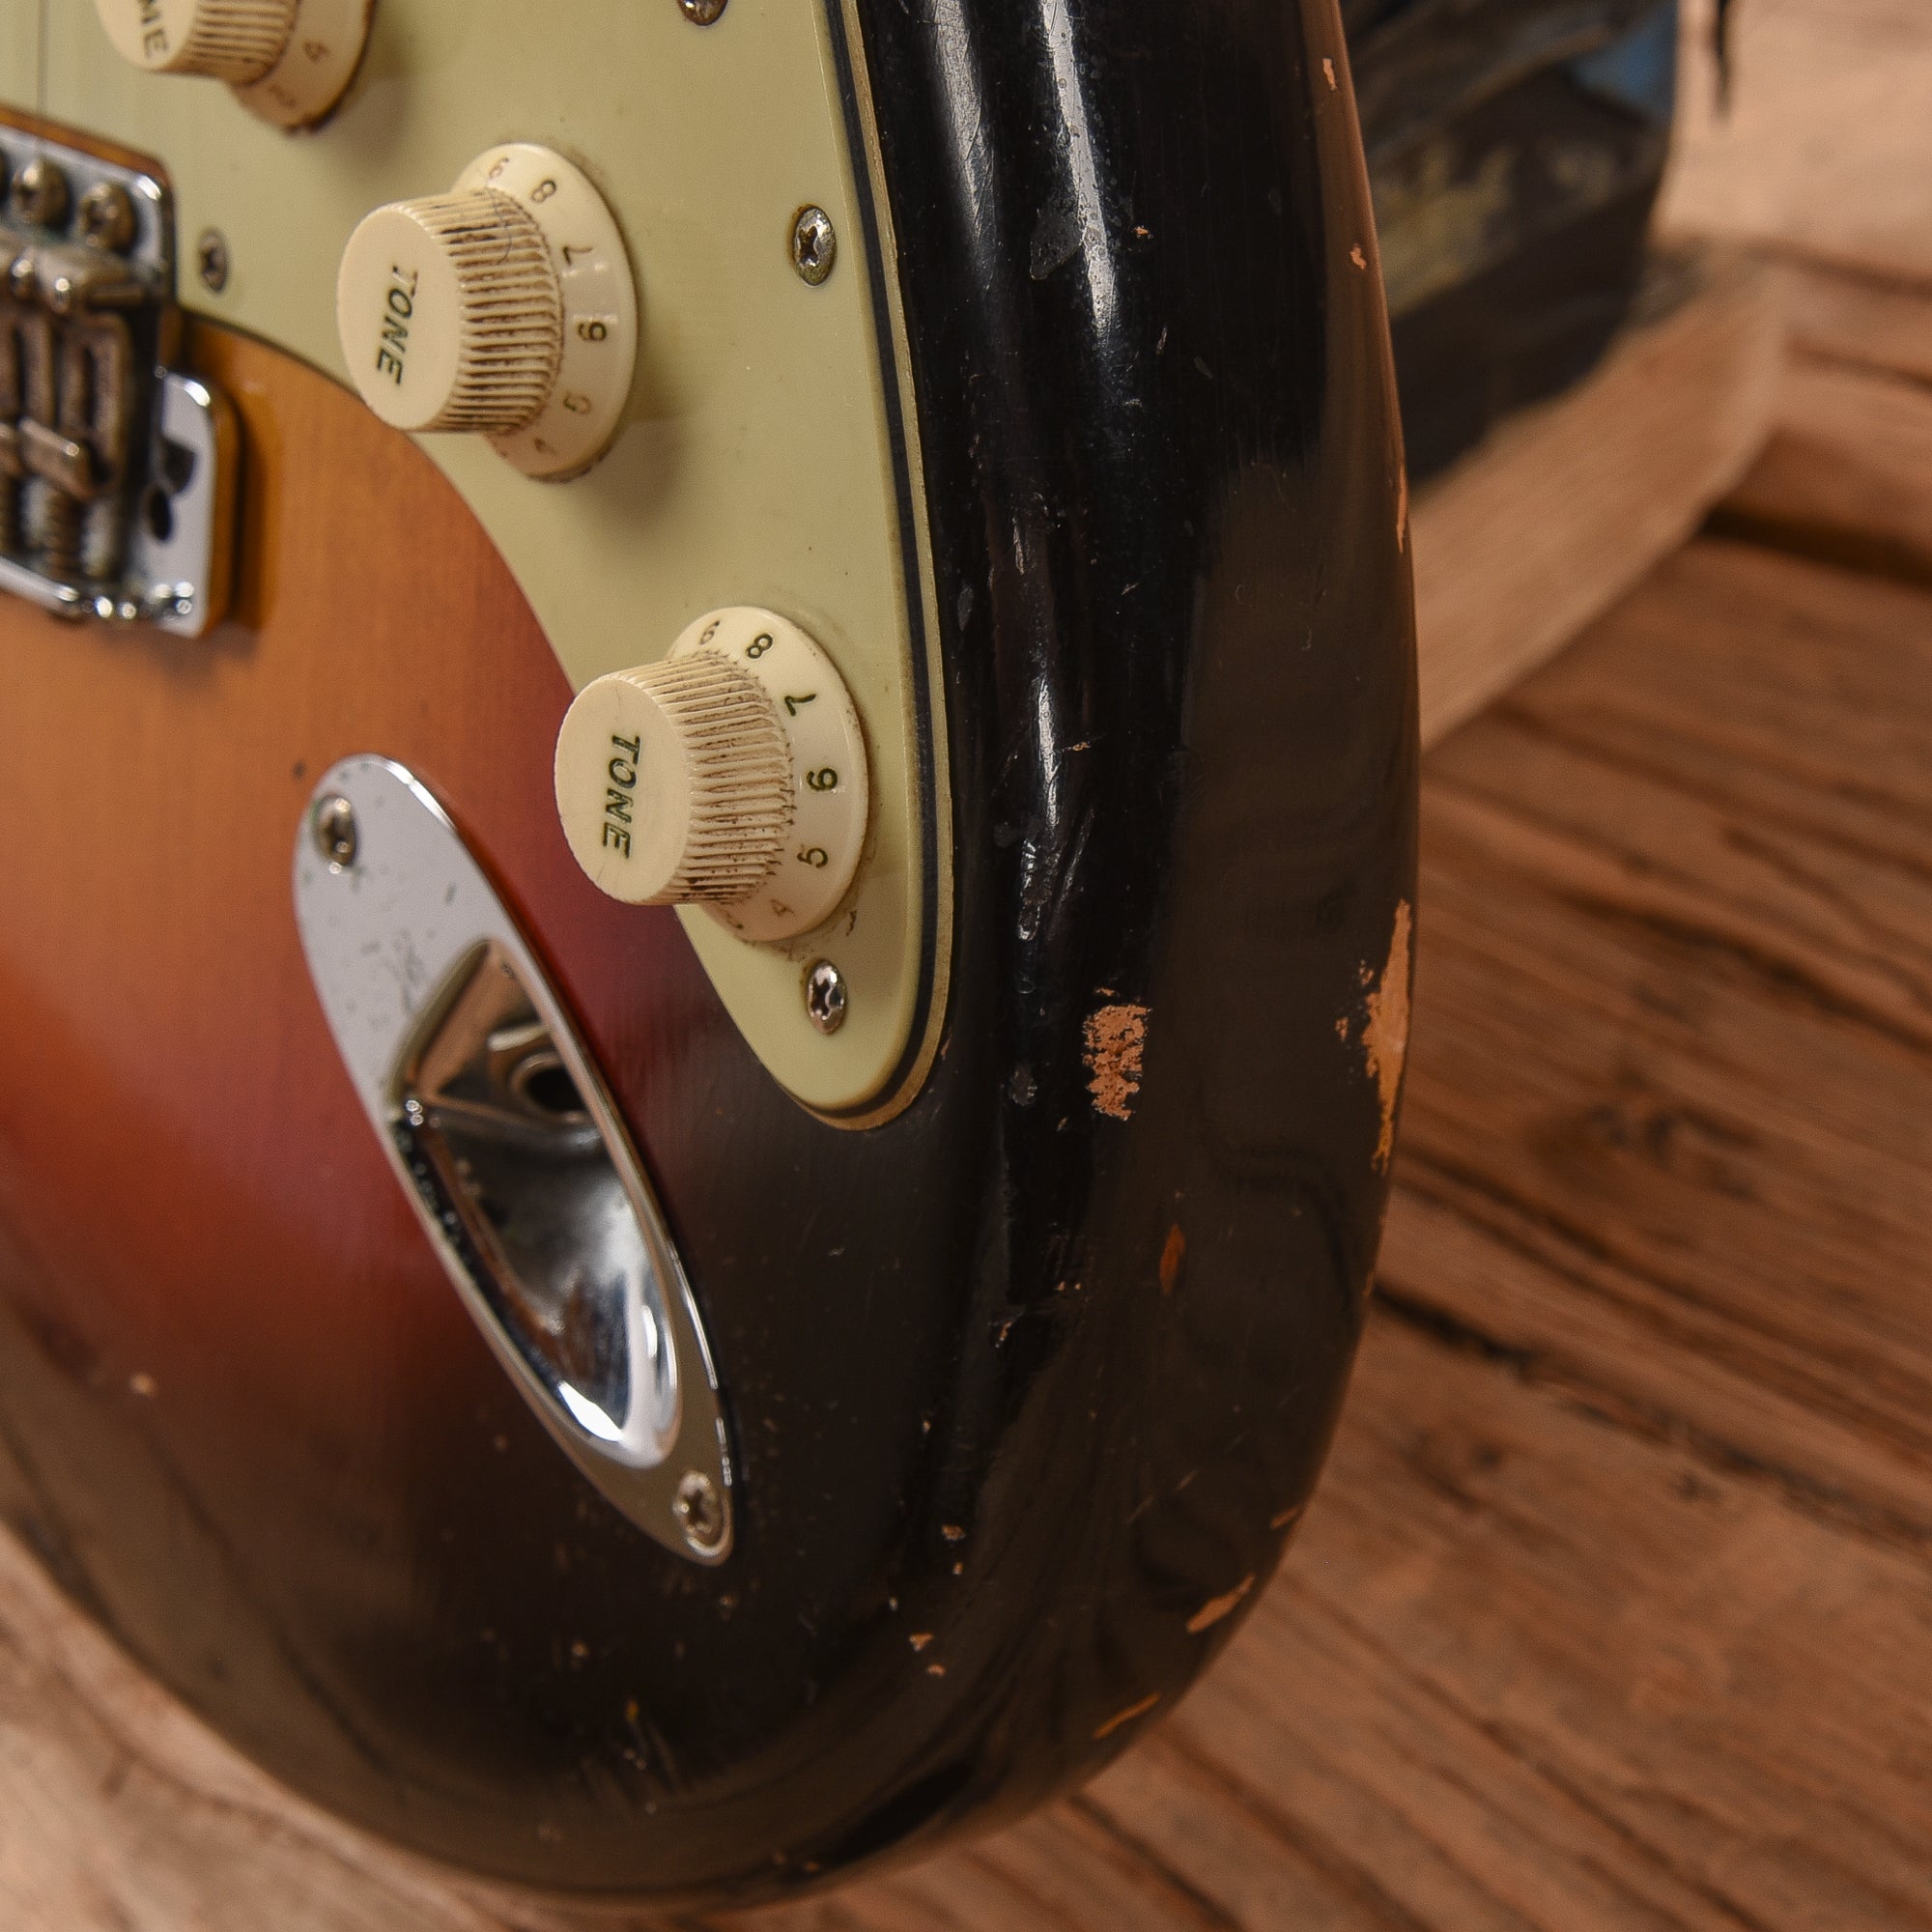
117,471
504,1138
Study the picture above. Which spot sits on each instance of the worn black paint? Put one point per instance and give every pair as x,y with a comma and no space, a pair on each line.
1164,471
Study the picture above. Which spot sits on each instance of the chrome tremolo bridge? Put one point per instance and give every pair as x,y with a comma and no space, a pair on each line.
117,471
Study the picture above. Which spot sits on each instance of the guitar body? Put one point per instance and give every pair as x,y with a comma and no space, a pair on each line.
1026,1386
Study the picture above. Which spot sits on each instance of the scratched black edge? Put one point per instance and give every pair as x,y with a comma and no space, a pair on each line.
911,573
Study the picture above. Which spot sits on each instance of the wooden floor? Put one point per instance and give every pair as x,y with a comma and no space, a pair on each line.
1614,1608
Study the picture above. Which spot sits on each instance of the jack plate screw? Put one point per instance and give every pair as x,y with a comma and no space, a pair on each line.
335,835
700,1511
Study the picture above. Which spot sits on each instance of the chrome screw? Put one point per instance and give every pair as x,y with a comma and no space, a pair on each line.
335,836
211,255
107,217
701,12
700,1511
825,996
815,244
40,193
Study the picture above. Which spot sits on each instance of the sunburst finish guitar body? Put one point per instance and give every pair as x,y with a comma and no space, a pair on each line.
697,1090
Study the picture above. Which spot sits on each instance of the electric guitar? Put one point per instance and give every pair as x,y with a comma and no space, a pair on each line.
707,749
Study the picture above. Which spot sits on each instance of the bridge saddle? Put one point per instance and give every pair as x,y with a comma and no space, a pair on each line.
117,470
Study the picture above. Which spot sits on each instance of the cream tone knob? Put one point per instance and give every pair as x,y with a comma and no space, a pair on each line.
731,775
504,308
288,61
454,303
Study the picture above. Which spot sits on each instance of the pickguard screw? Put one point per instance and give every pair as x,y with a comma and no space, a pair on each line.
825,996
700,1511
211,256
107,217
815,244
701,12
335,835
40,193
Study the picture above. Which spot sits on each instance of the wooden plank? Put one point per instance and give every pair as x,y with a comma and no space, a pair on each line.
1823,158
1568,504
1846,473
1868,321
1527,1669
1611,1612
1826,148
118,1810
1680,927
1846,476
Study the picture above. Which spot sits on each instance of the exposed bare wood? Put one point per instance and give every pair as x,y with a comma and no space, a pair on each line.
1548,521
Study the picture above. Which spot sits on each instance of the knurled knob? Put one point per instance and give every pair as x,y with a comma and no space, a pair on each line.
288,61
451,314
504,308
235,40
731,775
675,781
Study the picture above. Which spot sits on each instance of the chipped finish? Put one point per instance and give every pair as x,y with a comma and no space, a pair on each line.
1174,1251
1126,1717
1385,1028
1216,1608
1115,1038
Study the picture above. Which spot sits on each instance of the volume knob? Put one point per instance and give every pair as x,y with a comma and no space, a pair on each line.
289,61
235,40
504,308
731,775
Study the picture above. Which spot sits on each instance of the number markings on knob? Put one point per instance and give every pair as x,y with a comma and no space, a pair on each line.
504,307
743,787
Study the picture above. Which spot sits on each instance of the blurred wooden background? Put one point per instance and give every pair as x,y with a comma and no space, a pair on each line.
1614,1609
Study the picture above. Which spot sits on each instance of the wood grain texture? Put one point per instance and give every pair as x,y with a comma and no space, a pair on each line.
1613,1610
1846,475
1569,503
1823,158
1872,322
